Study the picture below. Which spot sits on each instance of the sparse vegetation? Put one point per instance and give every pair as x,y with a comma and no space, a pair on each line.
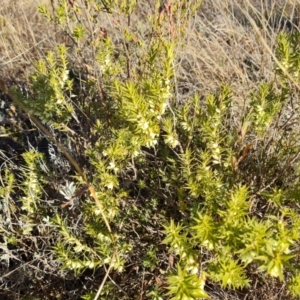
149,150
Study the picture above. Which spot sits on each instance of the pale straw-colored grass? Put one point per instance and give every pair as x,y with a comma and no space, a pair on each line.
24,35
227,44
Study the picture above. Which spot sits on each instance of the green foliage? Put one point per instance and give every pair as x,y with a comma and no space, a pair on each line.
185,286
225,224
294,285
32,182
52,88
265,106
155,294
288,55
228,272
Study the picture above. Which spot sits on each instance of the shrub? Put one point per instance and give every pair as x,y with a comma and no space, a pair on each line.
184,194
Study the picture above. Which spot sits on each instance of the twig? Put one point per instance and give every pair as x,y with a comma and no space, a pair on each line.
105,277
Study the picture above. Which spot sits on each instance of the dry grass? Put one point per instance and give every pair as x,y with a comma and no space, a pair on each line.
24,37
222,46
225,48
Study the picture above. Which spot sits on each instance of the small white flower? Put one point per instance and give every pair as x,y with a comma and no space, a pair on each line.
172,141
112,166
109,185
143,124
